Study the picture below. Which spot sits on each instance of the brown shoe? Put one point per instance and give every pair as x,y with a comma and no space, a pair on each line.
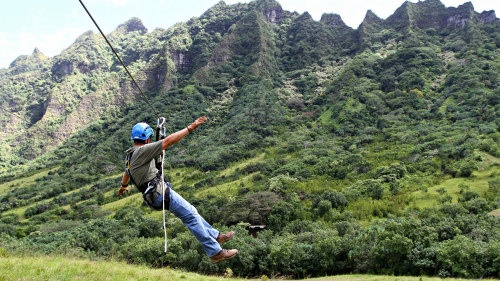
224,255
224,237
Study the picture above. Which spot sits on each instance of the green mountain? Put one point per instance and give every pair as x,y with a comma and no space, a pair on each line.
372,150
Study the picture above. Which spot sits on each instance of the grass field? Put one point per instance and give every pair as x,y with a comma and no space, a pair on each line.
489,169
6,186
68,268
496,213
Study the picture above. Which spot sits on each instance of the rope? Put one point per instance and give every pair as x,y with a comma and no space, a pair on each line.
163,196
119,59
18,116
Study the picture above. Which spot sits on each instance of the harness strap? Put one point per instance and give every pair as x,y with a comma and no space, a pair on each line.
127,165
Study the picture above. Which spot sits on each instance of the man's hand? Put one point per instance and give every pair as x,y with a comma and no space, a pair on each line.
122,190
197,122
201,120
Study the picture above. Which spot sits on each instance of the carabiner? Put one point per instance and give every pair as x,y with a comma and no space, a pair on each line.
160,126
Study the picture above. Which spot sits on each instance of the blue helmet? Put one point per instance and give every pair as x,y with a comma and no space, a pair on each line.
141,131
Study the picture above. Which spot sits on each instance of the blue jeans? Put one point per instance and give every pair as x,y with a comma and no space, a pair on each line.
189,216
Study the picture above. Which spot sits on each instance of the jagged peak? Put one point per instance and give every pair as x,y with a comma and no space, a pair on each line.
370,15
488,16
433,13
460,16
371,18
36,52
38,55
401,18
403,9
332,20
267,4
84,35
432,2
271,9
23,63
305,16
466,6
133,24
214,10
220,4
430,5
18,61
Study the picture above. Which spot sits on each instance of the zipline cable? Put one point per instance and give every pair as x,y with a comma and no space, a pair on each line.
15,114
118,57
150,104
160,123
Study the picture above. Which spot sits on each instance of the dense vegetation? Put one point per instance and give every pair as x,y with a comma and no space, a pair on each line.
373,150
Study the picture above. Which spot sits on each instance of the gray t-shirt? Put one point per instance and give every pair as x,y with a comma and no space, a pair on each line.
142,164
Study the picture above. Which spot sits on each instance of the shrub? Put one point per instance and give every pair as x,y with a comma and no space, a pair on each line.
461,257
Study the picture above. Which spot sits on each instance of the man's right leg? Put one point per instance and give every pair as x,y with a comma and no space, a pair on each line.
199,228
220,237
190,217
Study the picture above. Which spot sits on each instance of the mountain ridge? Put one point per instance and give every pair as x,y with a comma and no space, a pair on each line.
182,60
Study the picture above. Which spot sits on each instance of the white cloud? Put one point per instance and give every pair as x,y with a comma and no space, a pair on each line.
9,51
4,41
51,44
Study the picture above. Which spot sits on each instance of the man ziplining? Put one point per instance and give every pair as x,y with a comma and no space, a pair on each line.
144,174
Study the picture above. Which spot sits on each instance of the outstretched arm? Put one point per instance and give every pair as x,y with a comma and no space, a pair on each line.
177,136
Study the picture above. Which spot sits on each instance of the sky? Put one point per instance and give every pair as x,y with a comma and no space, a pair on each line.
53,25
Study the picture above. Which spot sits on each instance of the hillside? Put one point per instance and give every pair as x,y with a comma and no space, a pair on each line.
368,150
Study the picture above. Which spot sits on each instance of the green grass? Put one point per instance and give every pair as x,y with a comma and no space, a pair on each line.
30,180
496,213
40,267
22,182
227,189
446,103
239,165
68,268
477,182
488,161
133,200
20,210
